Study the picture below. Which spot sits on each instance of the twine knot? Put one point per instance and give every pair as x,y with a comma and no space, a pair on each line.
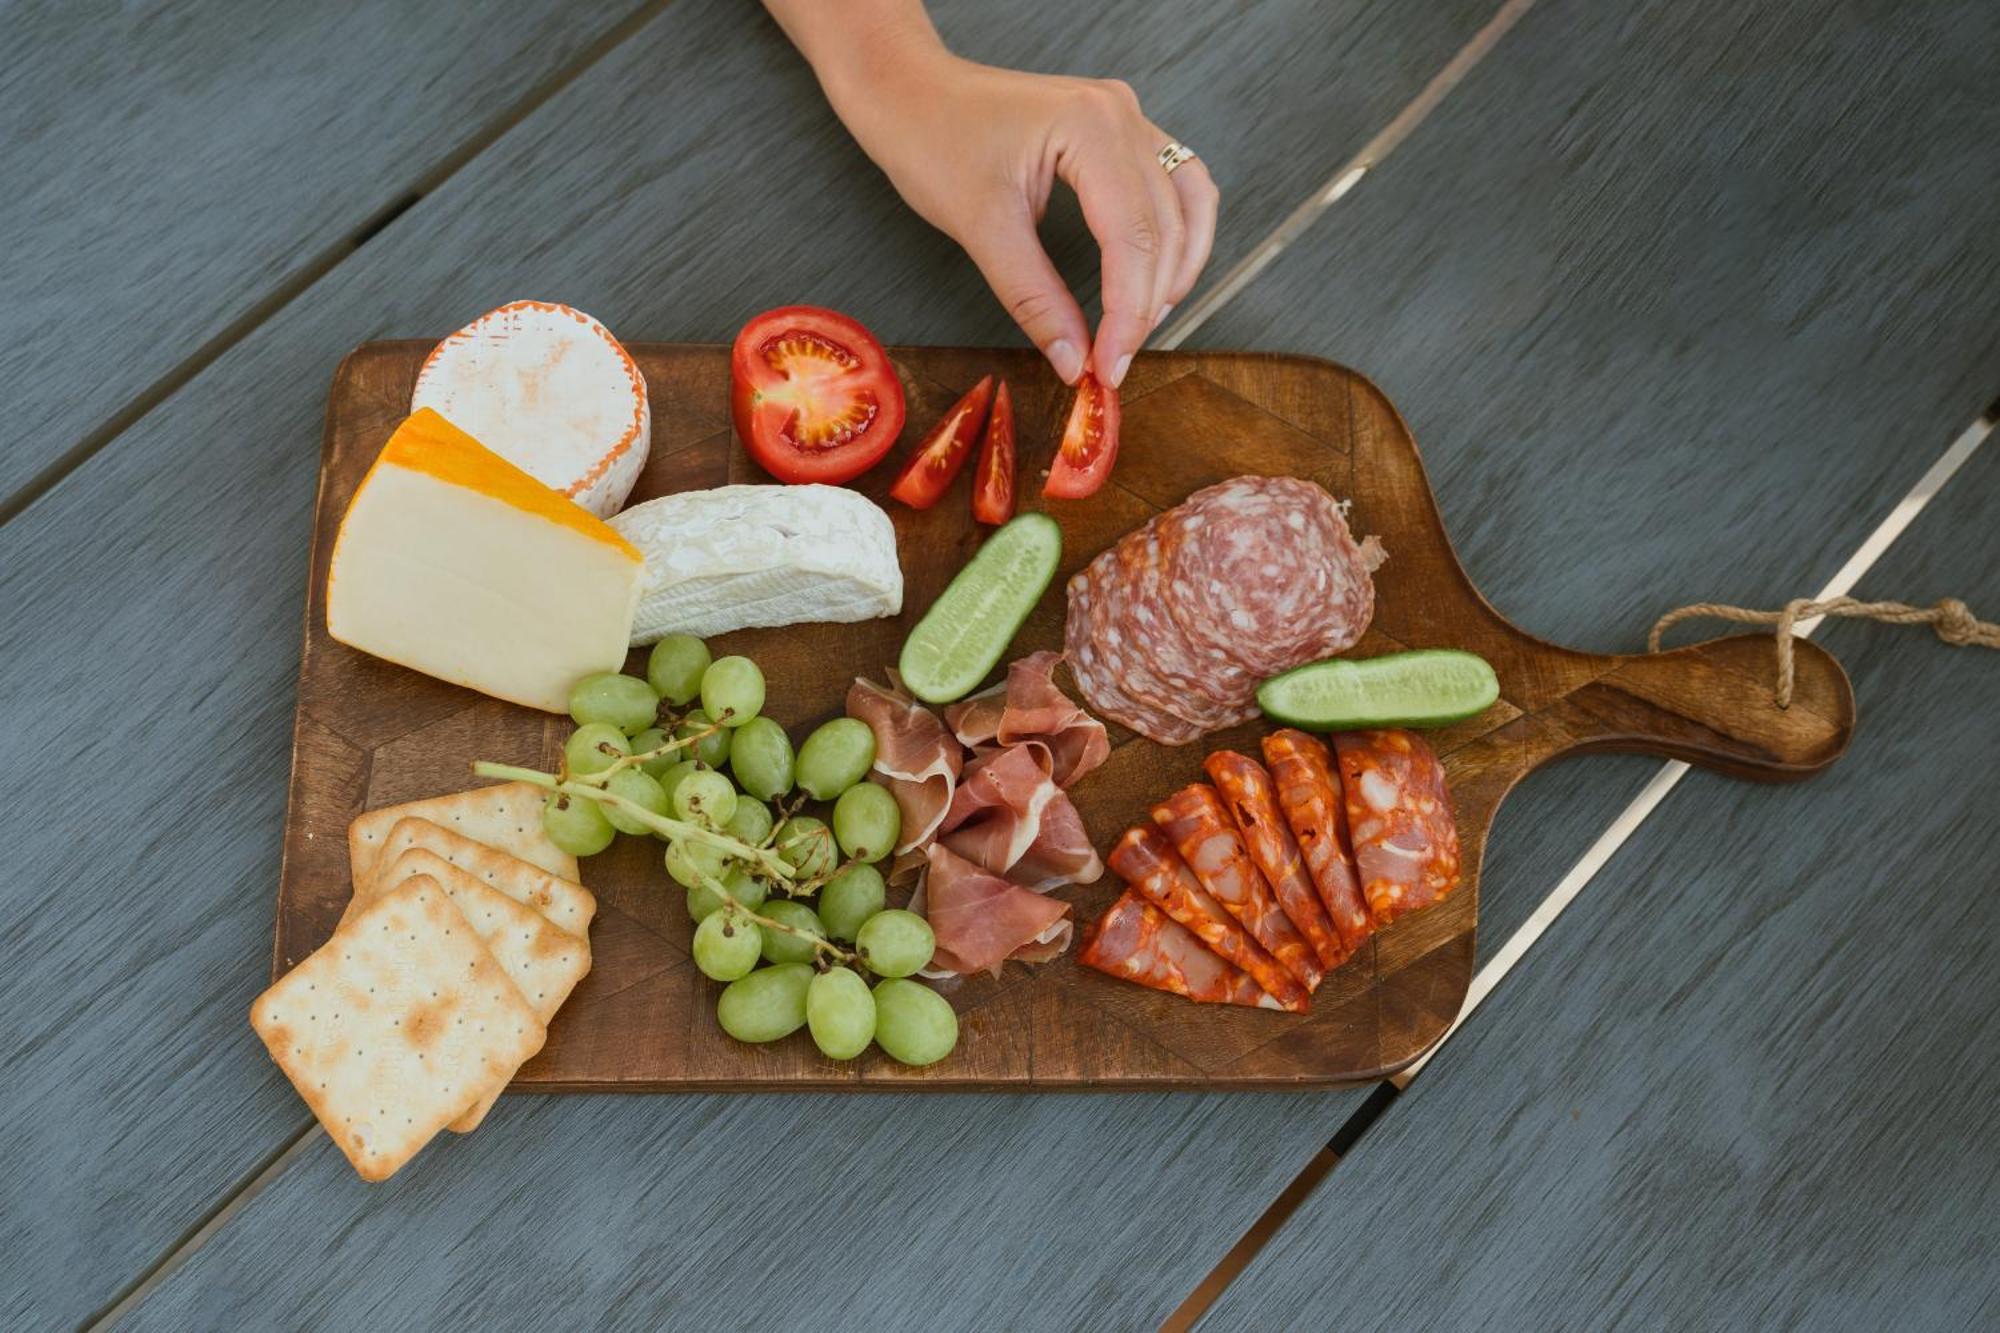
1949,618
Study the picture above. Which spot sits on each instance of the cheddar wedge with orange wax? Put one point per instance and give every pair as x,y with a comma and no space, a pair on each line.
453,562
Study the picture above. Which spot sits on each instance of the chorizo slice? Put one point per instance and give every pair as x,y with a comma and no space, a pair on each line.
1400,817
1309,795
1252,800
1138,942
1145,859
1206,838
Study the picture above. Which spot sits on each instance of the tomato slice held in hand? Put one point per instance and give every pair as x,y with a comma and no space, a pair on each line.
813,394
1089,443
993,481
936,463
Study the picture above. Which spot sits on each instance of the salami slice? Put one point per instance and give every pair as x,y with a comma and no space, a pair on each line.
1309,795
1138,942
1252,800
1206,839
1400,817
1145,859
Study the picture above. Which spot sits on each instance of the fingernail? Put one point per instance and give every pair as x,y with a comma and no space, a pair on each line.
1066,359
1118,371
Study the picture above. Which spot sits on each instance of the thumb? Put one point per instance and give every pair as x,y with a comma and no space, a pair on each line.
1011,258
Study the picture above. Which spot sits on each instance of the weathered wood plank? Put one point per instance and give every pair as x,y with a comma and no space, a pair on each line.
168,168
645,193
1746,1081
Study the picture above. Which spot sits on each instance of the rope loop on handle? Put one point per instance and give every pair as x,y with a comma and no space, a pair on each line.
1949,618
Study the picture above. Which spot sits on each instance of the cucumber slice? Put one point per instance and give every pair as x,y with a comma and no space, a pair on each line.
961,637
1427,687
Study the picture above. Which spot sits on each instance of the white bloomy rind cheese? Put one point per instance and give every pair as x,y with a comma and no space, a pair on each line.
738,557
455,563
551,391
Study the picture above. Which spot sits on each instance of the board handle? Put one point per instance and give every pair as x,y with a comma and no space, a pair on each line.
1714,705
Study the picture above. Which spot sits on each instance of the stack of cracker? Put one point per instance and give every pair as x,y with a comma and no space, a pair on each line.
467,931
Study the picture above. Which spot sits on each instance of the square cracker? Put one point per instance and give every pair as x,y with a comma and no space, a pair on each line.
507,818
563,901
396,1026
543,961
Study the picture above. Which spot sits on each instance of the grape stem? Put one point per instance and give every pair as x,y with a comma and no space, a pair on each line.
673,745
767,862
731,903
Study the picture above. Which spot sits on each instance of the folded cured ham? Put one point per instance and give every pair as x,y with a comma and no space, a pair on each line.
982,920
916,758
1028,708
1009,816
1138,942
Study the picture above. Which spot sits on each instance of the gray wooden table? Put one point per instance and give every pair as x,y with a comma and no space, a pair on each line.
1682,301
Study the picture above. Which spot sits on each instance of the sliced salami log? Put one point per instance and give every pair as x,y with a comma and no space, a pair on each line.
1252,800
1145,859
1137,942
1203,834
1309,795
1400,816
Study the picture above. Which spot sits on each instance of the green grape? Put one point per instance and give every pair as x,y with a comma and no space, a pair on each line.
850,898
732,691
726,946
652,738
670,781
577,825
624,702
712,749
840,1012
675,666
768,1004
867,820
594,747
636,787
894,943
739,884
835,757
780,947
751,823
760,754
688,861
706,798
913,1023
806,845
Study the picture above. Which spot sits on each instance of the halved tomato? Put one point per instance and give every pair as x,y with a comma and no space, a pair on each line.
813,394
936,463
993,483
1089,442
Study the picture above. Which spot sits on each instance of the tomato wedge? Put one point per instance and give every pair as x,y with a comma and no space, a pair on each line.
993,481
813,394
936,463
1089,442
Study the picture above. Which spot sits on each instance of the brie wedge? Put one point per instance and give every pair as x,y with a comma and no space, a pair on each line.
549,390
455,563
743,556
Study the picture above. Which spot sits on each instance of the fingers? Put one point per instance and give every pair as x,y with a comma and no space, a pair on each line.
1173,237
1121,210
1199,200
1010,256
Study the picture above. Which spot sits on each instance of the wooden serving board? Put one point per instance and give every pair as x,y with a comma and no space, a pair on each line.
370,734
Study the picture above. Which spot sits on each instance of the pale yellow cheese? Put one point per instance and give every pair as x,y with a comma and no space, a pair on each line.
455,563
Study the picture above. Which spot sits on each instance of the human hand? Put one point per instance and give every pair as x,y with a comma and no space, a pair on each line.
976,150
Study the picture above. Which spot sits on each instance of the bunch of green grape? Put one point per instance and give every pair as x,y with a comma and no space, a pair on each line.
794,951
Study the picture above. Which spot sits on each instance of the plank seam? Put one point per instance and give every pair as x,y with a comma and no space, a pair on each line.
312,270
198,1235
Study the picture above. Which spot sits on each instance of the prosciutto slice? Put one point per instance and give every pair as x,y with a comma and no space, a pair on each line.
1009,818
1136,941
1028,708
1400,817
917,759
982,920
